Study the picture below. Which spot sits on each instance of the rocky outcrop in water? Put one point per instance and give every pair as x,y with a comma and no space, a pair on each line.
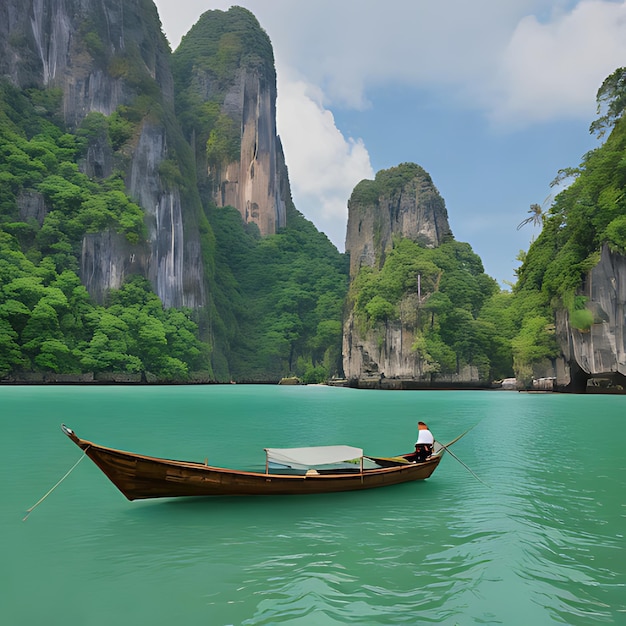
401,202
384,358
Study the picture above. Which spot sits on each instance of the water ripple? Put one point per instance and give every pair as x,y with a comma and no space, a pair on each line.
544,544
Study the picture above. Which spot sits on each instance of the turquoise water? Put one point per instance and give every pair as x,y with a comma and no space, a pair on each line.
542,544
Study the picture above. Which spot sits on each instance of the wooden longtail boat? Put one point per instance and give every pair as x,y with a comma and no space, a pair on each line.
139,477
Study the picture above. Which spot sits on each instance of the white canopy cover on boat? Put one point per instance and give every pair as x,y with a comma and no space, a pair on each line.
316,455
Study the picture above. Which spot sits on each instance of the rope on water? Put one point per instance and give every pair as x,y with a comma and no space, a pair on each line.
32,508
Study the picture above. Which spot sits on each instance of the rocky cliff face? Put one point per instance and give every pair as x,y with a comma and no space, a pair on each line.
378,212
102,54
253,179
600,351
69,44
401,202
380,357
252,183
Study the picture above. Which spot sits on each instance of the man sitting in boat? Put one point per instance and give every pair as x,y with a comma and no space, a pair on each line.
424,443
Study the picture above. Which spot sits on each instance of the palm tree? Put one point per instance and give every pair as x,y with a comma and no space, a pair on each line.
536,216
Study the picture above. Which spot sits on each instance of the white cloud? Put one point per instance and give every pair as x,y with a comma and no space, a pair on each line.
529,60
351,46
553,70
323,165
520,62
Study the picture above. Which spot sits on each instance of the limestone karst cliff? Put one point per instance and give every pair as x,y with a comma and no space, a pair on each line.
253,182
590,356
569,297
375,215
232,77
405,306
401,202
105,56
84,48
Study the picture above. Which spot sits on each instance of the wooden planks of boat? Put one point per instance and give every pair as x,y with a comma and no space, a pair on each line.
139,477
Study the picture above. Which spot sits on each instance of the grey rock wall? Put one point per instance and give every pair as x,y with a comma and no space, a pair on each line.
386,352
31,205
601,350
43,44
106,259
416,212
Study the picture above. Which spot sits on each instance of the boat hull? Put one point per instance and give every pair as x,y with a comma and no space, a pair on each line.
141,477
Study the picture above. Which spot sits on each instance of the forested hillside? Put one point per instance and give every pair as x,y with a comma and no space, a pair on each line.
280,299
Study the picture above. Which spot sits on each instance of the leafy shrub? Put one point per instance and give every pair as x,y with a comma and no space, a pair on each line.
615,234
378,309
582,319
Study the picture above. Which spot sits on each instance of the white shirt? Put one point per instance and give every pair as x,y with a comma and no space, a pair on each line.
425,437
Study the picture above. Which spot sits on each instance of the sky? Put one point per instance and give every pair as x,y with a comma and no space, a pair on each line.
492,98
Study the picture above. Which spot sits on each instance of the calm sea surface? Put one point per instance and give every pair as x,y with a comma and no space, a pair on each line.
542,544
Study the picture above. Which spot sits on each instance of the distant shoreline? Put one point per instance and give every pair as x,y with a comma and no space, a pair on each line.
383,384
108,378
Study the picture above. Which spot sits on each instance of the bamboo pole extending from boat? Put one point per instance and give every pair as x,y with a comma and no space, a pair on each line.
138,476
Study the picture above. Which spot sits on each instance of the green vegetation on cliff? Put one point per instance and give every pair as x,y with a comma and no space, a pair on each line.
39,157
48,322
221,42
443,295
275,306
589,213
280,300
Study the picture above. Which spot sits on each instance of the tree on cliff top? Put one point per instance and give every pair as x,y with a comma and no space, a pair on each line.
611,98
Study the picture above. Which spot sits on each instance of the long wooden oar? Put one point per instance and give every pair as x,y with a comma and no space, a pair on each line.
446,447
